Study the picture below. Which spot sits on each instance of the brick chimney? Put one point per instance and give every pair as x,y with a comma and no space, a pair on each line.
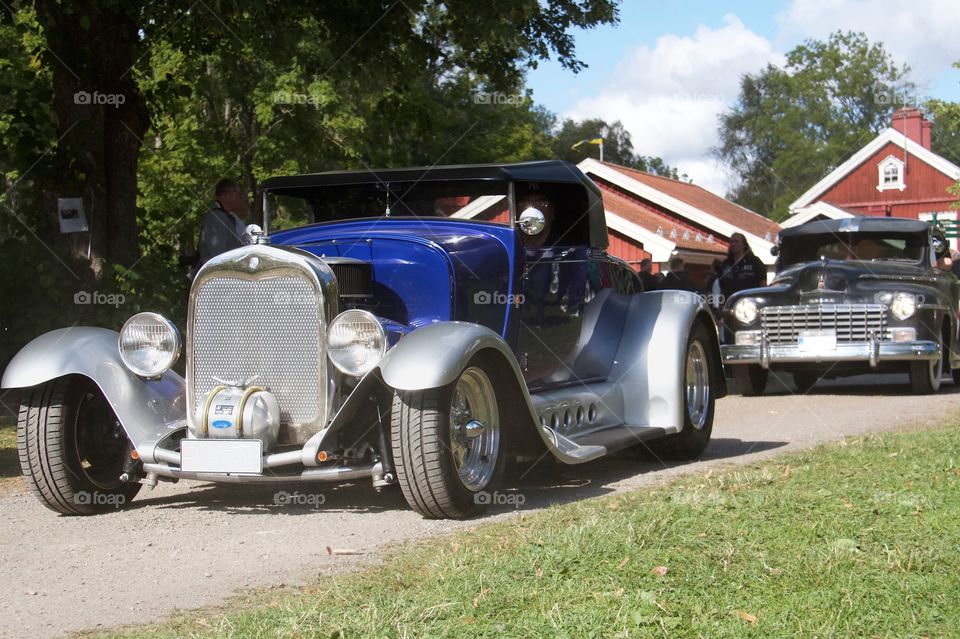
910,122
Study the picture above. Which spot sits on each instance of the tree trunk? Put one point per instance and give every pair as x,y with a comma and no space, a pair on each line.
101,124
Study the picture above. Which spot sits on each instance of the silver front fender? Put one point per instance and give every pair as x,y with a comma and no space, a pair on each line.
148,410
651,358
435,355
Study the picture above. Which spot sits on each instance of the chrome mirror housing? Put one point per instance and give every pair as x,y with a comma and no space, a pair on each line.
253,234
532,221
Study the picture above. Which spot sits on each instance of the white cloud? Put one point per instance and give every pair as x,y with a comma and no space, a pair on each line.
670,96
922,34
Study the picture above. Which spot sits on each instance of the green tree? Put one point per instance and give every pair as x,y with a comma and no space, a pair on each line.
617,146
792,125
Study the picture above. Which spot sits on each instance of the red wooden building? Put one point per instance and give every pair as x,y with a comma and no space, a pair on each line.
895,175
649,216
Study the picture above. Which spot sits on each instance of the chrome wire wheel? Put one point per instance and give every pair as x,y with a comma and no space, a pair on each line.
697,379
474,429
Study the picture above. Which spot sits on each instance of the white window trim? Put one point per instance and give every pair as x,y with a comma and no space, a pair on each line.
891,160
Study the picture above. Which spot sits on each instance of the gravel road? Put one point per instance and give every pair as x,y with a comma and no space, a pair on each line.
193,544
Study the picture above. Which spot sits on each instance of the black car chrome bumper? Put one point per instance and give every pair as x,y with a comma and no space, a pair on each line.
873,352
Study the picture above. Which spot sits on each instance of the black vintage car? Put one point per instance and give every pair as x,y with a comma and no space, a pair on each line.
850,296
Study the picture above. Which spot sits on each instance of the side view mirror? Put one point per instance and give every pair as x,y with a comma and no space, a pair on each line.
774,250
253,234
532,221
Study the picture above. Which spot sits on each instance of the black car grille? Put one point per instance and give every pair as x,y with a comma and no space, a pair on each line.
852,322
355,279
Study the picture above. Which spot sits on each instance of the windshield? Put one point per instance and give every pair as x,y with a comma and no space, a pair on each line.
479,200
906,247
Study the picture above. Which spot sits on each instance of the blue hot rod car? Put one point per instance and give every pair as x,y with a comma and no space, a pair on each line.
412,326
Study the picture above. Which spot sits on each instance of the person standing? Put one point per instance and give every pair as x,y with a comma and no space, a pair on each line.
224,224
650,281
678,278
742,269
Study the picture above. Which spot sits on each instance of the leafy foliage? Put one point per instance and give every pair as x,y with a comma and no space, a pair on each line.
792,125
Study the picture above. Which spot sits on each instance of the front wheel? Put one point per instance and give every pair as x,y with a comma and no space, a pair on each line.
925,375
751,379
447,445
72,448
698,400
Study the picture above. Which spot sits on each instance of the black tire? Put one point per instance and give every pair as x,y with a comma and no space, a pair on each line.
751,379
805,381
926,376
72,448
428,438
699,402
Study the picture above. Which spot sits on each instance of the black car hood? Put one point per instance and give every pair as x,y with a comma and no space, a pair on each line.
840,275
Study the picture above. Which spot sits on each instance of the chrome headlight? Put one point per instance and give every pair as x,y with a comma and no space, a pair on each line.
903,305
356,342
149,344
745,311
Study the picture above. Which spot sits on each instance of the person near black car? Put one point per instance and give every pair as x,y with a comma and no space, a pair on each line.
678,278
742,269
650,281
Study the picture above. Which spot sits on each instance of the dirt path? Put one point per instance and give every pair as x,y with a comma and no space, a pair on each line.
192,544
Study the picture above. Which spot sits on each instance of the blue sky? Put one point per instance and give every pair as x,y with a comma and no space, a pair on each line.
669,68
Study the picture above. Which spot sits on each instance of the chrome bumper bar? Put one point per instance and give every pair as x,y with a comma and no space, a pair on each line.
873,352
336,473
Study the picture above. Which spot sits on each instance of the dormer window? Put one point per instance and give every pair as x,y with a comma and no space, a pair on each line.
891,174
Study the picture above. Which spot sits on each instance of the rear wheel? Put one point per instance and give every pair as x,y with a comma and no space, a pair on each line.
73,449
447,445
751,379
698,399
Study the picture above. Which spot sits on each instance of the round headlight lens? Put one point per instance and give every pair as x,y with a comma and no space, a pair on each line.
149,344
903,305
356,342
745,311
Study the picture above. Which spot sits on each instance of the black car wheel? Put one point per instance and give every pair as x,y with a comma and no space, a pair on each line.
805,381
72,448
751,379
447,445
925,376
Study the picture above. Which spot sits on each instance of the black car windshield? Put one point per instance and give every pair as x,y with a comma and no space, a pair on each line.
481,200
905,247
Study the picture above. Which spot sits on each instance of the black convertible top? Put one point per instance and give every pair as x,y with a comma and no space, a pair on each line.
864,224
555,171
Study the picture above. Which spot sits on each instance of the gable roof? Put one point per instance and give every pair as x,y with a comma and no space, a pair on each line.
889,136
692,203
820,208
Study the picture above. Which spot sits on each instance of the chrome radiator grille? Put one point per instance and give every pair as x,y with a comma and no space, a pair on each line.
267,330
852,322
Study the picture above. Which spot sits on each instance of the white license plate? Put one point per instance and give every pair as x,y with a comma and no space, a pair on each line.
240,456
817,340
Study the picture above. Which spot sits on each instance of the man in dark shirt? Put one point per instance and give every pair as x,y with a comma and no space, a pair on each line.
650,281
223,225
678,278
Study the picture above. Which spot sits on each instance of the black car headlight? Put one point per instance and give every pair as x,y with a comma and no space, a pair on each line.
149,344
745,311
903,305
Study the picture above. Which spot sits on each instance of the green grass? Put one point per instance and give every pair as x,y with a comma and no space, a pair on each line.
852,540
9,463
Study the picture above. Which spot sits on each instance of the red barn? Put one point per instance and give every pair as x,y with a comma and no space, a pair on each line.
895,175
